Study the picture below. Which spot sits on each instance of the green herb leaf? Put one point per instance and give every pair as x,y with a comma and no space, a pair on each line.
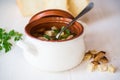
0,47
62,27
7,46
12,33
1,32
5,38
46,36
56,31
64,36
67,31
18,36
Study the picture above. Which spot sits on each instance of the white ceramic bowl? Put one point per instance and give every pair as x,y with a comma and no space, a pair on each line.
54,55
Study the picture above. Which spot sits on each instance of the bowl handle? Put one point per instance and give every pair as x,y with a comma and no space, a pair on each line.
28,48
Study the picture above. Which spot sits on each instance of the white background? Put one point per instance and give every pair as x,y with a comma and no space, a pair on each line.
102,33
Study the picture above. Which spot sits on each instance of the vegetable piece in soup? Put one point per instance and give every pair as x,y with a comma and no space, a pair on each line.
50,34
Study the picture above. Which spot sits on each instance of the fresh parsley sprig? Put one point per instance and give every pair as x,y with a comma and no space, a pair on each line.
5,38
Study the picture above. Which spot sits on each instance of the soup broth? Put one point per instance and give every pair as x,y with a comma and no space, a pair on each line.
49,33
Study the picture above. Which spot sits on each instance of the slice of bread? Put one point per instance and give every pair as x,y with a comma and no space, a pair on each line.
30,7
56,4
76,6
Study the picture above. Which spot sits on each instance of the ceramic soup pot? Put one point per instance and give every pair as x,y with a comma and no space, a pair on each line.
53,55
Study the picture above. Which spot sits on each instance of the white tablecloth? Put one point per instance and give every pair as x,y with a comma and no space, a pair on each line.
102,33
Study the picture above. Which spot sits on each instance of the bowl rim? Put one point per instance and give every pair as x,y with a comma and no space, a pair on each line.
78,23
51,12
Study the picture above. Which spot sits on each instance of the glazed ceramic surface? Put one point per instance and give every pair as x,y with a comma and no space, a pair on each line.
54,55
